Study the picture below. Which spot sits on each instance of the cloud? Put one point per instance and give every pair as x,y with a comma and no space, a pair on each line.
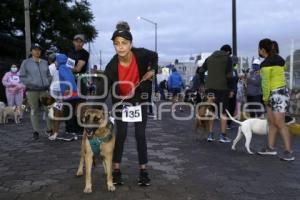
195,26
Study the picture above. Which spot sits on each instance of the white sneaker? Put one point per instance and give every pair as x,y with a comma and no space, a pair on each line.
53,137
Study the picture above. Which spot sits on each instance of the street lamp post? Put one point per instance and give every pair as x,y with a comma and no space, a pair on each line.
155,25
234,33
154,79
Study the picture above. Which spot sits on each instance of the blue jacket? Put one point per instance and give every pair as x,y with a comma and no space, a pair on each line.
175,81
68,91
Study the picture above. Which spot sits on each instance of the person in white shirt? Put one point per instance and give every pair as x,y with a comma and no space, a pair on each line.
54,87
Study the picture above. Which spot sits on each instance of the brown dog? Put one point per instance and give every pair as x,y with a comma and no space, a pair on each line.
205,115
98,139
55,112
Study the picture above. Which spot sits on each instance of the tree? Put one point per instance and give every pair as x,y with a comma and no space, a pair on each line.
52,22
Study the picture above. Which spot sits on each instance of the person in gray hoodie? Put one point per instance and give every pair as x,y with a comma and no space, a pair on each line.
254,92
35,75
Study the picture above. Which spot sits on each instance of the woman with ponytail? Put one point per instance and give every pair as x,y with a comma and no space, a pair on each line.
275,97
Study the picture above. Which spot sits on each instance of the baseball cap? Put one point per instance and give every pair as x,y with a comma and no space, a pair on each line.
79,36
256,61
35,46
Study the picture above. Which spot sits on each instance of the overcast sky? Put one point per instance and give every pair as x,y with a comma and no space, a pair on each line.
188,27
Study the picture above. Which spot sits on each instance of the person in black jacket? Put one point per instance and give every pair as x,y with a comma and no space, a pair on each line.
130,72
220,85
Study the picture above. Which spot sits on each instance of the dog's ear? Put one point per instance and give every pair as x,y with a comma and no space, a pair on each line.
43,100
103,114
202,111
85,117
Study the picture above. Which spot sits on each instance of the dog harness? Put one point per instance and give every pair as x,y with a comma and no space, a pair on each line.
57,105
96,142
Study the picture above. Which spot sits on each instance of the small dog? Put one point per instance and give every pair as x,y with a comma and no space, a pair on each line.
55,111
13,112
247,128
99,139
205,115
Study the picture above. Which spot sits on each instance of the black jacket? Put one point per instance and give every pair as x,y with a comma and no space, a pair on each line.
146,60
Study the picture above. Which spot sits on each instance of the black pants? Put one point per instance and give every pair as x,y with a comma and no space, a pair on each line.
254,108
72,125
140,137
221,99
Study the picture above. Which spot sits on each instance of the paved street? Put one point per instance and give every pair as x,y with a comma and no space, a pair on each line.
182,166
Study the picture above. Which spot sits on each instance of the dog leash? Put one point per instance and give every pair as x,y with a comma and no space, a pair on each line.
111,118
133,89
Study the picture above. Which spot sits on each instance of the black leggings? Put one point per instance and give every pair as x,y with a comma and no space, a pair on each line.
72,125
140,137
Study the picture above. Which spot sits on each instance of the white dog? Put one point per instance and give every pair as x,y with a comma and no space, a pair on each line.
247,127
14,112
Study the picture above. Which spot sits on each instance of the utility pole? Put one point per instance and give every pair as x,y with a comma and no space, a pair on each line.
27,27
155,37
100,60
292,65
234,32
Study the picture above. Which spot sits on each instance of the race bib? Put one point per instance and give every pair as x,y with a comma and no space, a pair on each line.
58,106
132,114
70,63
15,79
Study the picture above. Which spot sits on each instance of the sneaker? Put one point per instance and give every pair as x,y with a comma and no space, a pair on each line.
117,177
48,133
65,137
35,135
287,156
210,137
144,179
267,151
224,139
151,115
77,135
53,137
289,120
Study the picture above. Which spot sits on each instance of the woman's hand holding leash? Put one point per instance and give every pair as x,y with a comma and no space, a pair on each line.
148,75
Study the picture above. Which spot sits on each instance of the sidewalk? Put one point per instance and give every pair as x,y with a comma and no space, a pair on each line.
181,166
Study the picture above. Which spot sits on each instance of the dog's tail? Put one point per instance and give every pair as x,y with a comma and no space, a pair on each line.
232,118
